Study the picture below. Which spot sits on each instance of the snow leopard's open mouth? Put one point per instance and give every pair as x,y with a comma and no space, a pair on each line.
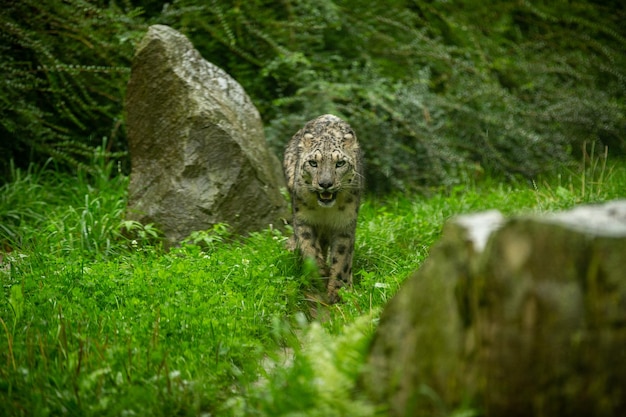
326,198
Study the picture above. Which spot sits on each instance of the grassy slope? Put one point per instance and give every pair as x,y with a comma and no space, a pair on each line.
96,320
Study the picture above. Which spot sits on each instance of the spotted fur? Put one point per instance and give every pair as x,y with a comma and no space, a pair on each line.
323,169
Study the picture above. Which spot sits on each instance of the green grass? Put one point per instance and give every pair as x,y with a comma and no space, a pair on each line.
96,319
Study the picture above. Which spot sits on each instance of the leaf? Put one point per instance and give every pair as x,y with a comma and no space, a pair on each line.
16,301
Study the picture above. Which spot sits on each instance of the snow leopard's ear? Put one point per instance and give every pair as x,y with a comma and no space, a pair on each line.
306,141
349,140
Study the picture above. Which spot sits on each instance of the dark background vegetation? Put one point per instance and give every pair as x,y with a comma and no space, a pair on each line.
437,91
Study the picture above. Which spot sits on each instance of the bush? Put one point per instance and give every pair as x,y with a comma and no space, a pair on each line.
65,65
438,92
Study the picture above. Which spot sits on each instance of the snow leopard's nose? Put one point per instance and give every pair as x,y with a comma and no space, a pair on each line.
325,184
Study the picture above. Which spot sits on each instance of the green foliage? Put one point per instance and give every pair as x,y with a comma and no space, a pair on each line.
65,65
438,92
208,238
140,334
43,206
319,381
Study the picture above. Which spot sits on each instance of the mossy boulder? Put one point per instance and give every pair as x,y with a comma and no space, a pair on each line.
197,147
523,316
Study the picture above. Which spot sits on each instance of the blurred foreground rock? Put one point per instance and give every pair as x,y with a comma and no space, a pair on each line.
526,317
198,151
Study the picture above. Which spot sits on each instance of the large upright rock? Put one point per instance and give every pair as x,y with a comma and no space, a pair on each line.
526,316
198,151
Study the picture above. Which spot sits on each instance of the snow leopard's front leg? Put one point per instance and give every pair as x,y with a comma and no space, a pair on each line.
311,245
341,250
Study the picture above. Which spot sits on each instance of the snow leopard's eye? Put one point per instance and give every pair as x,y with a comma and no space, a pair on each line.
313,163
339,164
